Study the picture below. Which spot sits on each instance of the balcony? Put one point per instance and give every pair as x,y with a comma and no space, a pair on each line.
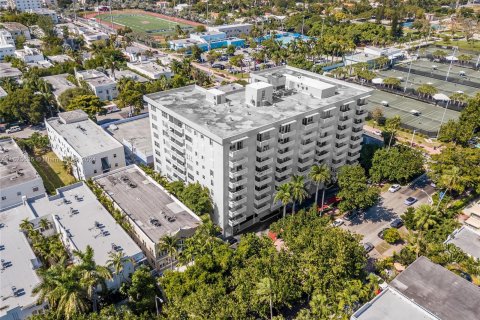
260,172
237,211
341,138
234,194
284,163
326,121
307,154
352,156
357,123
179,142
357,132
305,164
339,156
282,173
234,174
175,127
265,142
306,145
355,147
310,126
237,153
237,162
261,209
286,134
319,156
266,189
264,153
236,220
287,144
323,147
345,121
236,203
342,129
237,183
338,163
259,202
325,138
309,135
264,162
281,154
341,147
361,114
279,182
259,183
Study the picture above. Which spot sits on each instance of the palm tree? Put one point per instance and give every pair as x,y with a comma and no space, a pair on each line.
26,226
284,195
169,244
116,262
319,174
91,274
451,179
392,125
265,292
299,193
44,224
425,217
62,290
110,62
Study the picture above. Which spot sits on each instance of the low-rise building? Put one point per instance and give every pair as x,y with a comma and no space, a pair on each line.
467,239
18,177
134,133
59,83
24,5
162,4
60,58
150,69
17,29
127,74
135,53
30,55
103,87
371,54
182,6
233,30
7,44
151,211
7,71
89,149
45,12
18,277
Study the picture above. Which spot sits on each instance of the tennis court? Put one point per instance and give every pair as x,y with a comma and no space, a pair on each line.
143,23
429,118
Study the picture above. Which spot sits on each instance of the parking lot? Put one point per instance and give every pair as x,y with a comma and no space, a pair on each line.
390,206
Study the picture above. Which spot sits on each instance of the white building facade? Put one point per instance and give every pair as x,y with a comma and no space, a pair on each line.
7,44
242,143
233,30
30,55
24,5
103,87
90,150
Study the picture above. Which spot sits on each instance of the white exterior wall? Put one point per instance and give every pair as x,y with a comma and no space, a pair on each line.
24,5
86,167
208,160
233,30
6,50
13,195
105,92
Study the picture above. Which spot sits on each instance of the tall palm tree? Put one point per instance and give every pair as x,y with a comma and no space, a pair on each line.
425,217
44,224
265,292
451,179
110,62
91,275
169,244
299,192
284,194
320,174
26,226
116,263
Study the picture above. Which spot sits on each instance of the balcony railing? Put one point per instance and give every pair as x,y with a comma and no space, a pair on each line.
237,183
286,144
259,183
260,172
265,142
319,156
238,162
236,203
264,153
263,190
261,209
310,126
238,153
234,174
264,162
305,164
237,211
283,173
309,135
261,200
233,194
307,154
286,134
281,154
284,163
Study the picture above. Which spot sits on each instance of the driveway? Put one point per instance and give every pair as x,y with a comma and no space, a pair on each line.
25,133
388,208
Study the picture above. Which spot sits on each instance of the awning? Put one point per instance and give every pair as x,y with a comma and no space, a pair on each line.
441,97
377,81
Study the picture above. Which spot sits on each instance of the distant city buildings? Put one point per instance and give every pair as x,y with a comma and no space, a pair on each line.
89,150
30,55
45,12
102,86
17,29
7,44
151,211
242,143
18,177
24,5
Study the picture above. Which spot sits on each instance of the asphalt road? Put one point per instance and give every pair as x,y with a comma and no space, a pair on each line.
390,206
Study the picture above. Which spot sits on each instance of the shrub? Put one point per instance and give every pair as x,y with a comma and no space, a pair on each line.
392,235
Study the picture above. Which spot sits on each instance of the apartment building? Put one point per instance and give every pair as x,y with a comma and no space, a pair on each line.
88,148
151,211
7,44
242,143
233,30
18,177
24,5
45,12
17,29
150,69
30,55
103,87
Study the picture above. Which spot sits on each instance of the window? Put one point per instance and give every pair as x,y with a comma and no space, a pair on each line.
285,128
19,193
114,155
4,198
164,114
95,171
35,189
307,120
116,164
93,161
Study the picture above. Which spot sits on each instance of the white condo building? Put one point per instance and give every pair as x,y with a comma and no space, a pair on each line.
103,87
242,143
24,5
233,30
18,177
91,150
7,44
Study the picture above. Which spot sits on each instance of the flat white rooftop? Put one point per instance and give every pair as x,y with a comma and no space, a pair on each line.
391,305
119,74
82,134
234,117
7,71
17,274
136,132
15,166
59,83
78,211
145,201
467,239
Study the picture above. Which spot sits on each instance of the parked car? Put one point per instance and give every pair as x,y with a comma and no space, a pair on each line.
367,246
397,223
14,129
349,216
338,222
218,66
410,200
394,188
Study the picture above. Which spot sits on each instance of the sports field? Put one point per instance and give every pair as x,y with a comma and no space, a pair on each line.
143,23
430,115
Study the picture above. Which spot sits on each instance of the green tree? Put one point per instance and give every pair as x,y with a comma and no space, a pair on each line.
169,245
89,103
265,292
392,82
230,50
399,164
392,125
141,291
298,190
320,174
197,198
354,191
65,97
392,235
196,53
426,90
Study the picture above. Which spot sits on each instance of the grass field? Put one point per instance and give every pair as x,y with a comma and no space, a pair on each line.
143,23
52,171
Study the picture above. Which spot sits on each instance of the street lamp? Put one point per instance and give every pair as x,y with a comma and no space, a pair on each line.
430,200
157,298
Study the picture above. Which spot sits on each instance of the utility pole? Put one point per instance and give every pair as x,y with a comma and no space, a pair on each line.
451,62
443,117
